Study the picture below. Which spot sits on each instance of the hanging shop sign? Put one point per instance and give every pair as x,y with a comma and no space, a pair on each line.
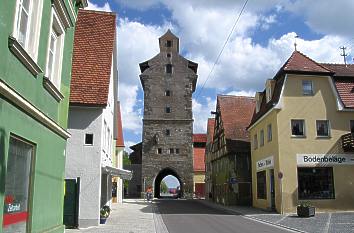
324,160
265,163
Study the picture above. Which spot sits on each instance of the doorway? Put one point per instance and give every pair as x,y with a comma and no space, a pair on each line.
272,190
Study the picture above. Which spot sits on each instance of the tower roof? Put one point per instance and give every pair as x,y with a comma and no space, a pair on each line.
169,42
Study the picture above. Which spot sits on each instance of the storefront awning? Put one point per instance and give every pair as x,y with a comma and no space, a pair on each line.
121,173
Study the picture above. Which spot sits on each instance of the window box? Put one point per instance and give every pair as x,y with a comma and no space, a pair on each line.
52,89
305,211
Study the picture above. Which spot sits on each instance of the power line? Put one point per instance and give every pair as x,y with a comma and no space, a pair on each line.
222,49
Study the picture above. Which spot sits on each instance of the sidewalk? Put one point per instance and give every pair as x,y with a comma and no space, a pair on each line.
133,216
339,222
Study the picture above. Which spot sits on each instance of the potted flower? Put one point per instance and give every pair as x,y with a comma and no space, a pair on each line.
104,213
305,210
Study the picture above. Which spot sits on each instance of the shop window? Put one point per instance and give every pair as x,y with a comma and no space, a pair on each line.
322,127
17,186
261,185
307,87
89,139
261,138
297,127
255,142
315,183
269,133
352,126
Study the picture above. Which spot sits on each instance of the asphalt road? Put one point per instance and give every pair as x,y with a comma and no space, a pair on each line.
188,216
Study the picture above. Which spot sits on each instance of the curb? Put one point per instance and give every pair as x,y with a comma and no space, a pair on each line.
251,218
160,226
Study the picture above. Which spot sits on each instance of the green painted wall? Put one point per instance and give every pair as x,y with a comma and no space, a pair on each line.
49,165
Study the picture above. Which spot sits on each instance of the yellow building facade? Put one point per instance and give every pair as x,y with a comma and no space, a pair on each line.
302,146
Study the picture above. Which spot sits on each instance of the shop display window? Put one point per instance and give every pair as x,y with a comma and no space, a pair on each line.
315,183
17,186
261,185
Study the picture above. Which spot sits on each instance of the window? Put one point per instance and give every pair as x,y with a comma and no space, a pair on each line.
27,25
169,43
269,94
261,139
168,132
159,151
104,144
168,69
167,93
269,133
168,55
55,51
297,127
171,150
315,183
307,87
89,139
352,126
322,127
261,185
168,109
177,150
255,142
17,186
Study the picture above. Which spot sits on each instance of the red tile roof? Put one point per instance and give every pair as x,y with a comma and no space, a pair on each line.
299,62
120,139
236,114
341,70
210,129
199,137
92,57
199,159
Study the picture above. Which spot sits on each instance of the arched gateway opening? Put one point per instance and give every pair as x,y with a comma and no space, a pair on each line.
162,174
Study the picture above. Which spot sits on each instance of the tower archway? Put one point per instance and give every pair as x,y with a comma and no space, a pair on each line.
160,176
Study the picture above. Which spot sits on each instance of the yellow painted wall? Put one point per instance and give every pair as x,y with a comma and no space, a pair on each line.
199,177
262,152
321,106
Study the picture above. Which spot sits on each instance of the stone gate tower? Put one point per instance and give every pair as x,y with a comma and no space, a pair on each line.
168,81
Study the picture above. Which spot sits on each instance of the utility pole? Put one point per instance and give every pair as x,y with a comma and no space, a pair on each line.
344,55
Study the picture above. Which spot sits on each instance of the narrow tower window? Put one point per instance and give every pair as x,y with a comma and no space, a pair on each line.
169,69
169,43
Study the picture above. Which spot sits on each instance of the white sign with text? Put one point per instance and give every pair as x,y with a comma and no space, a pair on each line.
265,163
324,160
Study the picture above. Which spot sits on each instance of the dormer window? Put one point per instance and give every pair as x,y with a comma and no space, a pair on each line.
169,43
269,94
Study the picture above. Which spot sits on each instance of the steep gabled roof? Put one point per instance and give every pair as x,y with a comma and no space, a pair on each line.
210,129
120,138
92,57
297,63
236,114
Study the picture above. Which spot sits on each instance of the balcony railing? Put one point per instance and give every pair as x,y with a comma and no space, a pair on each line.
348,142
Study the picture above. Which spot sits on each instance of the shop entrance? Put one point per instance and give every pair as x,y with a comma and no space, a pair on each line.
272,190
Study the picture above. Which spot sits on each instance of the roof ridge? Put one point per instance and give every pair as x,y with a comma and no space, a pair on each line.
99,12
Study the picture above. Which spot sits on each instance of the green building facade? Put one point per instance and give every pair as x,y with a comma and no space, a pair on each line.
36,43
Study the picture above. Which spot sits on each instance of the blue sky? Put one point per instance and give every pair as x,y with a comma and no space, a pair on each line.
260,44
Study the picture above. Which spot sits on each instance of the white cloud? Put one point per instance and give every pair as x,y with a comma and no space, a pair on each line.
131,116
201,113
96,7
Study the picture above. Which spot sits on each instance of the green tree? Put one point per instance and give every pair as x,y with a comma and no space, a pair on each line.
163,187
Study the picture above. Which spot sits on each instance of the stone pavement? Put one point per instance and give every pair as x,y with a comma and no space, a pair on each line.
133,216
338,222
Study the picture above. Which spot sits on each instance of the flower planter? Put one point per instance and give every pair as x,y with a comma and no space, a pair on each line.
305,211
103,220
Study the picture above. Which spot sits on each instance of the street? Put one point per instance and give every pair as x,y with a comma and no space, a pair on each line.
189,216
